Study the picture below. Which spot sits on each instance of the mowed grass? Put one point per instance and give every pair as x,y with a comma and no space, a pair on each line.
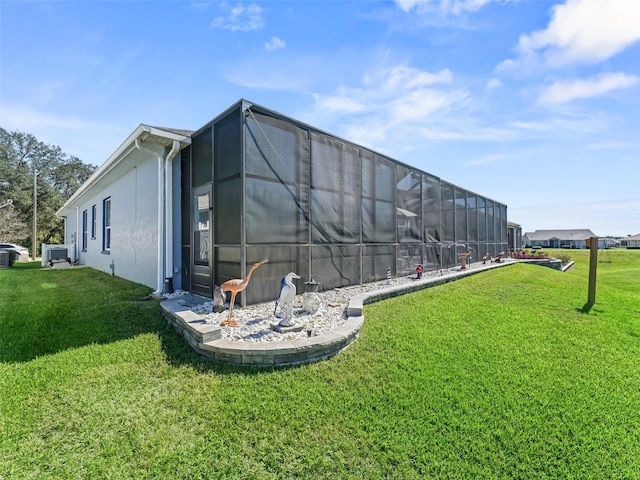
498,375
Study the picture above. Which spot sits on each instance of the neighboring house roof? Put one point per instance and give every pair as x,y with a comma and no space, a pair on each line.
540,235
512,224
632,237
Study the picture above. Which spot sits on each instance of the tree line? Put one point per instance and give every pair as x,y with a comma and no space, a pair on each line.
57,176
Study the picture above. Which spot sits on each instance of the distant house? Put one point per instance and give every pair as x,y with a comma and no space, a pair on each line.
632,241
611,242
560,238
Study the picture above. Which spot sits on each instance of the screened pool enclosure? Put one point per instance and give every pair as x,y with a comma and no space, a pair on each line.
256,184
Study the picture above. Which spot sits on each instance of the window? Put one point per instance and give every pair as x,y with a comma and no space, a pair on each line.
93,222
84,230
106,224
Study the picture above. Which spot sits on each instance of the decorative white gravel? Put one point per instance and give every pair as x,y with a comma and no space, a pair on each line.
256,319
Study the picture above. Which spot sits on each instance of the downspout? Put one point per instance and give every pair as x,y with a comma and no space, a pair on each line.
160,272
75,238
168,219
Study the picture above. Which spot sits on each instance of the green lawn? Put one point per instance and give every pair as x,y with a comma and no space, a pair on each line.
497,375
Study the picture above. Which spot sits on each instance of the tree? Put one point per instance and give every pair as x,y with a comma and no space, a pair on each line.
12,228
58,175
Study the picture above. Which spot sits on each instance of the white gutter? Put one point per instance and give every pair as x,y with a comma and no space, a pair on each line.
77,248
160,272
114,160
168,218
122,151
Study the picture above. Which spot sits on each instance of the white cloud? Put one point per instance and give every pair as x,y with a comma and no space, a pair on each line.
28,120
89,140
464,129
402,76
493,83
566,91
557,127
339,104
245,77
419,104
446,7
291,73
391,103
200,5
400,92
392,82
407,5
609,145
583,31
240,18
274,44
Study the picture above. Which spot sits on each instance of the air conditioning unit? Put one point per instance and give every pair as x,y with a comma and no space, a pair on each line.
4,259
58,257
53,254
57,253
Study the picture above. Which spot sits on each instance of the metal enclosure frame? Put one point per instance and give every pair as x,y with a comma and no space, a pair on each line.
325,207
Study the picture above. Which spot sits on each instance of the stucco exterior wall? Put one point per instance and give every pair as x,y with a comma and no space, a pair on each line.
134,218
134,226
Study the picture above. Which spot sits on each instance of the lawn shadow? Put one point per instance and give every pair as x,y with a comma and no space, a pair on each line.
586,308
589,308
44,312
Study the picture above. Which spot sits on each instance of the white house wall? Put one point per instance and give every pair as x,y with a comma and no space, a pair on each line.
134,226
134,237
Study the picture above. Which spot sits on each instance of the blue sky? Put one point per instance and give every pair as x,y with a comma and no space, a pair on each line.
533,103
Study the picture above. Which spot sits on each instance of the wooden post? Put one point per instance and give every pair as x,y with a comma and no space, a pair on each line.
34,237
593,267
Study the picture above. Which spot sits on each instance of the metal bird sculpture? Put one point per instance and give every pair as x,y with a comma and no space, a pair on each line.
235,286
286,297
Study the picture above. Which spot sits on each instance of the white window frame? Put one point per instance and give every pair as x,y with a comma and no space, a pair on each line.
106,225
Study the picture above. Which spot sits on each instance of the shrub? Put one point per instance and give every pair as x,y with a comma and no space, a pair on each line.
522,255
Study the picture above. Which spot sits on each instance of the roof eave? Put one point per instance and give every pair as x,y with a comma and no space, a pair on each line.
140,133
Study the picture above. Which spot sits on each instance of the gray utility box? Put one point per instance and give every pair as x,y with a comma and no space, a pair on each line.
4,259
